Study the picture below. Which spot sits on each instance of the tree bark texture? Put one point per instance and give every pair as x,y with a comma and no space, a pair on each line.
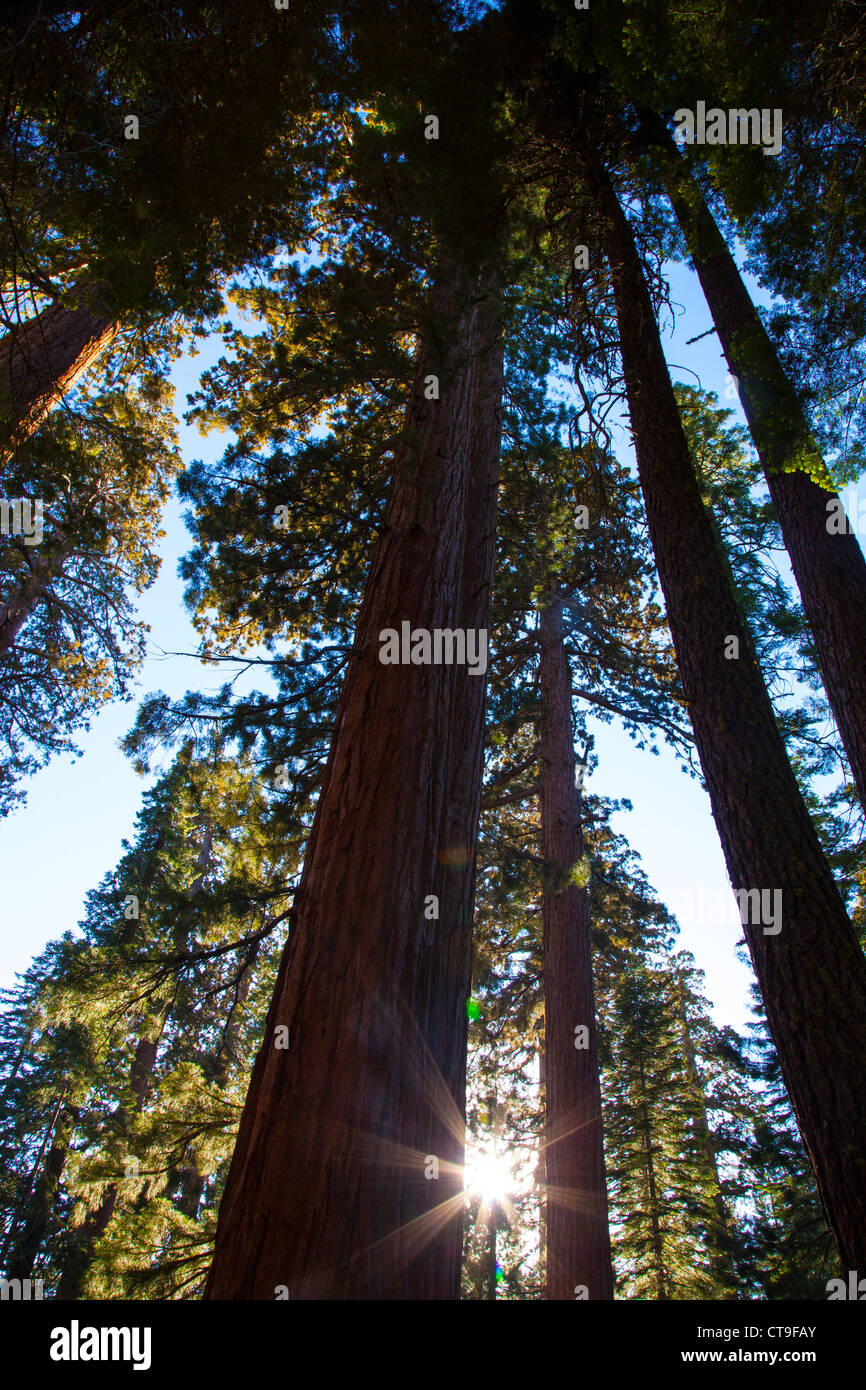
578,1240
44,357
327,1193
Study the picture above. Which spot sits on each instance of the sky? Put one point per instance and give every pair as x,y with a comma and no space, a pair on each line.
70,832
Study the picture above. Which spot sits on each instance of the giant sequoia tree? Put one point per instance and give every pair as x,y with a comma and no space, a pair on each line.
376,1078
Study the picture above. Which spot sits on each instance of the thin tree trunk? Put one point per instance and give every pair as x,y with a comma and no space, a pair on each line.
326,1193
19,1057
578,1240
541,1167
44,1193
828,564
489,1277
227,1050
43,358
812,972
95,1225
652,1191
192,1180
721,1258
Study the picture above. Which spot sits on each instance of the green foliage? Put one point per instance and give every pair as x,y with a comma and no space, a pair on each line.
71,640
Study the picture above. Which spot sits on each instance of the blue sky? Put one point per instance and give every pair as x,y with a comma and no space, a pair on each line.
70,832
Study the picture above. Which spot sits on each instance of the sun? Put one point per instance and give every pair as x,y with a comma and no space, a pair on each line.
488,1176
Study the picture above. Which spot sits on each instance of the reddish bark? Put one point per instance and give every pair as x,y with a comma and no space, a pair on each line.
449,966
578,1240
43,357
327,1193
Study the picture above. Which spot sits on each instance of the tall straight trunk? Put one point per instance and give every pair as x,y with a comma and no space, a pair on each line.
192,1180
227,1052
812,973
327,1193
656,1237
489,1276
828,564
541,1167
447,968
96,1223
578,1239
43,358
44,1194
19,1056
721,1257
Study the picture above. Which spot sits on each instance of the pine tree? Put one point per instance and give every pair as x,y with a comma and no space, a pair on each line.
147,1022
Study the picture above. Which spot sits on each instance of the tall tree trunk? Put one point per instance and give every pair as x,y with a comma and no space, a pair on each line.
578,1240
661,1275
43,358
227,1052
192,1180
95,1225
447,968
32,1234
541,1166
326,1193
30,1029
828,564
812,972
721,1257
489,1276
